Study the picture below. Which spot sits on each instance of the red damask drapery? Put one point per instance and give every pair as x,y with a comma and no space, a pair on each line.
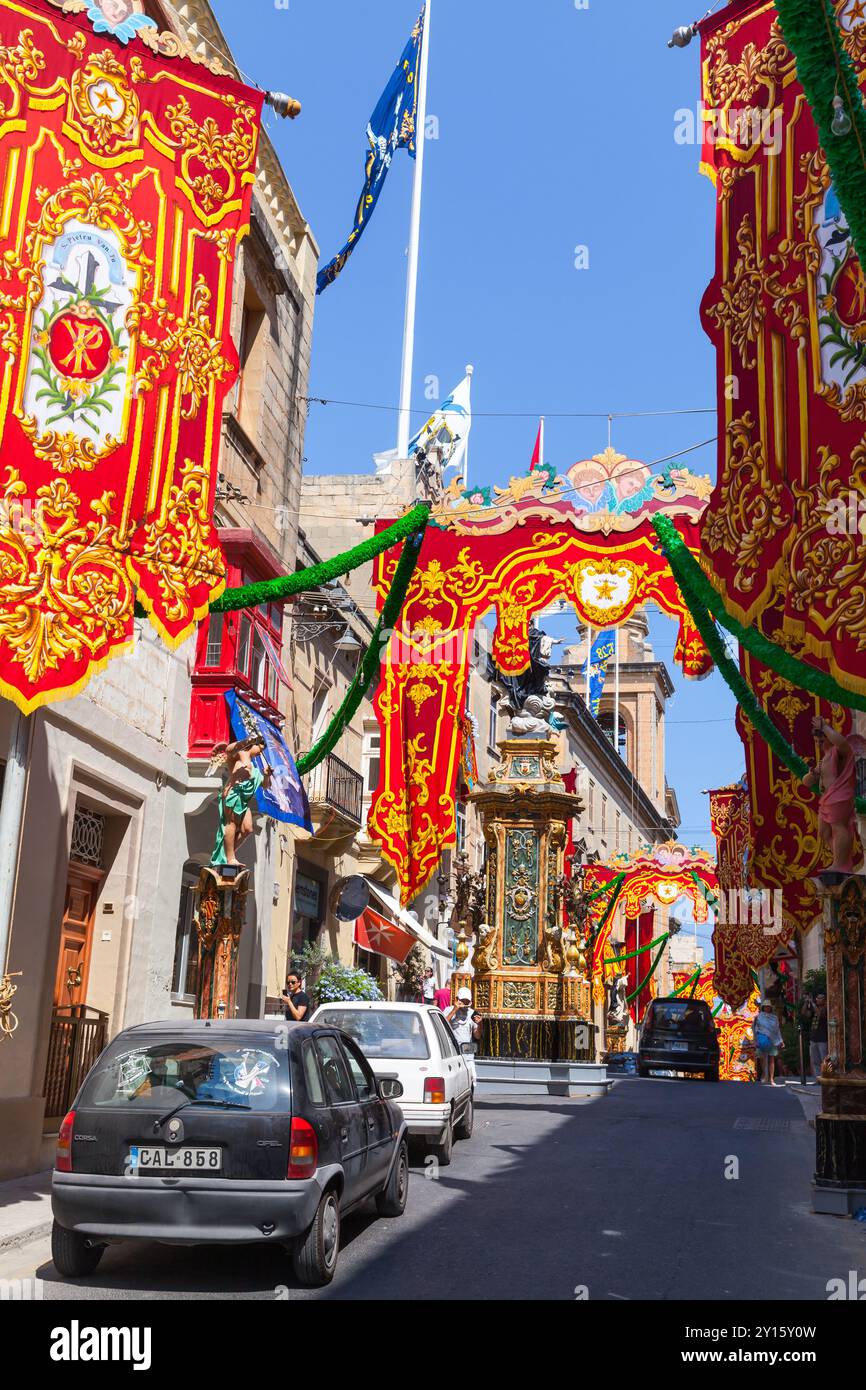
785,311
587,538
126,185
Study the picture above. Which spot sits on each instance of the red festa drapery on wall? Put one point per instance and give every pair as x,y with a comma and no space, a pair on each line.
586,538
784,311
126,184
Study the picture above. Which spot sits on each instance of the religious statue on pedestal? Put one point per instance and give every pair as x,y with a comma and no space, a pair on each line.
834,777
617,1001
236,800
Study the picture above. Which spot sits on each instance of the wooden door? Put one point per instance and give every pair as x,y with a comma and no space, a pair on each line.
76,938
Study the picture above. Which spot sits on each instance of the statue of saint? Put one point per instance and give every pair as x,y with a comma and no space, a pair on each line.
617,1002
834,777
236,799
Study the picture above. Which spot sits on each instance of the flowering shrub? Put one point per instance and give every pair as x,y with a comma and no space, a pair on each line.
337,982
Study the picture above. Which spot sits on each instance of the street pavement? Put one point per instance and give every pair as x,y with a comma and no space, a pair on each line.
623,1197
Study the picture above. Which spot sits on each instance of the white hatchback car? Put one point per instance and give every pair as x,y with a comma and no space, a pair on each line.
413,1044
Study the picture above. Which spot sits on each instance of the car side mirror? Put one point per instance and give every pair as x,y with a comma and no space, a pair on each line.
467,1049
390,1088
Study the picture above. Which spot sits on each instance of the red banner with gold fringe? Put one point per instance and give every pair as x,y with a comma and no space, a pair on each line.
126,186
586,538
784,311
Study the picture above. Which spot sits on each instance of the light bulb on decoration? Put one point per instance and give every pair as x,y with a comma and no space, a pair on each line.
841,122
283,104
682,37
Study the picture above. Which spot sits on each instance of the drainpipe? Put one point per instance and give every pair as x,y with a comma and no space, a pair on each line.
11,818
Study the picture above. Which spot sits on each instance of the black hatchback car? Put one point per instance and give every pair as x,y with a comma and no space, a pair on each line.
679,1035
222,1132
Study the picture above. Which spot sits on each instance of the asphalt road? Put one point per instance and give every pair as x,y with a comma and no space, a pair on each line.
625,1197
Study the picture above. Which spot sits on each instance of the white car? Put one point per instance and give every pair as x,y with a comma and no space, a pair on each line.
413,1044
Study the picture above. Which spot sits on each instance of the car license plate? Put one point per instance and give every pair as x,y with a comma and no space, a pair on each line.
188,1159
679,1047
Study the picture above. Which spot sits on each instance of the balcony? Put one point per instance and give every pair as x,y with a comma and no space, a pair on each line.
335,788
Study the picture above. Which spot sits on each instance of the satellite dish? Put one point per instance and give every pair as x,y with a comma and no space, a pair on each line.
350,898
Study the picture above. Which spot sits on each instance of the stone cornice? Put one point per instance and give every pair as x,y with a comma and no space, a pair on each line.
195,21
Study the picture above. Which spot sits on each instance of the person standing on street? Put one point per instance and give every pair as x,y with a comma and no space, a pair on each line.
768,1040
465,1025
818,1037
428,986
442,998
295,1002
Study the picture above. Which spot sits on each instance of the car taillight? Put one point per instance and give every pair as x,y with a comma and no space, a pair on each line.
434,1090
303,1150
63,1160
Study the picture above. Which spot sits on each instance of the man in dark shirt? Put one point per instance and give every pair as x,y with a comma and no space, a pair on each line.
818,1038
295,1001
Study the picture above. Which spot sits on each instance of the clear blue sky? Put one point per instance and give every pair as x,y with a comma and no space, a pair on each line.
556,130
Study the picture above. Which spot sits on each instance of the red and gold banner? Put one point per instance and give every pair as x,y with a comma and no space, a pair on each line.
781,536
126,186
586,538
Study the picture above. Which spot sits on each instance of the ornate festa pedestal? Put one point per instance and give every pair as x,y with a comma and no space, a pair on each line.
535,1009
840,1128
219,918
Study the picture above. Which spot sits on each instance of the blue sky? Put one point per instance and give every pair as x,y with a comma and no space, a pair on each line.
556,130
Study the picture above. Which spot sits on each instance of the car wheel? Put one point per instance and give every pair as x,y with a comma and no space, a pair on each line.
391,1201
643,1071
467,1123
72,1255
711,1075
445,1148
315,1256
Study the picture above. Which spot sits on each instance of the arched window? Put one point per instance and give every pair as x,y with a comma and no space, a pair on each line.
605,720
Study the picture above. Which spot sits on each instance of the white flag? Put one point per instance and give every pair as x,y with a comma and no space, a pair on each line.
448,426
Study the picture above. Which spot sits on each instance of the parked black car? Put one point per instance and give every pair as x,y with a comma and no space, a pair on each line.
213,1131
679,1035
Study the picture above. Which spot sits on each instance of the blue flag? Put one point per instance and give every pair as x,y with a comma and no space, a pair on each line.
285,799
599,660
391,126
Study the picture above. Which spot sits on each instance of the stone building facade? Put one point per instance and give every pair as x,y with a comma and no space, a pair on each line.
118,812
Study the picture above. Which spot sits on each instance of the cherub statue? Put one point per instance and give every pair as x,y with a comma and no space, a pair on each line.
552,956
834,777
236,799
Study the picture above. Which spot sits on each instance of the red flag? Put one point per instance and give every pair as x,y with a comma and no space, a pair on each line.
538,451
383,938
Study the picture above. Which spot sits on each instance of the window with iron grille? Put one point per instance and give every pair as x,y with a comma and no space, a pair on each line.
88,835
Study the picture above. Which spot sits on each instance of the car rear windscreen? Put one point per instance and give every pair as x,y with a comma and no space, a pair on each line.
382,1032
155,1075
675,1014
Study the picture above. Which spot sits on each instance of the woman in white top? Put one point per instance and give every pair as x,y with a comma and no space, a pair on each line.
768,1040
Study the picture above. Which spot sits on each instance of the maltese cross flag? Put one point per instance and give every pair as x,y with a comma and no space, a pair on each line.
377,934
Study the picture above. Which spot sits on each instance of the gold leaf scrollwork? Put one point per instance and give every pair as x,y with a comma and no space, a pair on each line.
749,512
189,347
180,548
64,582
741,308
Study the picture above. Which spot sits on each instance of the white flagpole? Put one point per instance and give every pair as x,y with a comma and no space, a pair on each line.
404,416
588,660
541,444
616,689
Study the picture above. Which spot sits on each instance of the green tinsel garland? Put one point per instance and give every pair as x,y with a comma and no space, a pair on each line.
368,666
696,588
630,998
273,590
811,31
616,885
618,960
684,572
